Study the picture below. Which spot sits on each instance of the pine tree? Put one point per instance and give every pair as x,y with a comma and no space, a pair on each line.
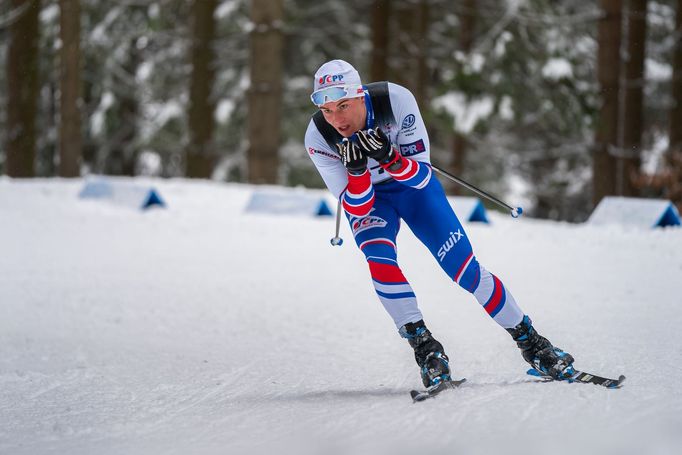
22,88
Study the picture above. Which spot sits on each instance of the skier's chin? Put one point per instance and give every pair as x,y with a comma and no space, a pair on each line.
345,131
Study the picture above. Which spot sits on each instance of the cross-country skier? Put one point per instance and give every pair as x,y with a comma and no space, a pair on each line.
370,146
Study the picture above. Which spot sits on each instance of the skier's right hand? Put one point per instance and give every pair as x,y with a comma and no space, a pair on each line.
352,157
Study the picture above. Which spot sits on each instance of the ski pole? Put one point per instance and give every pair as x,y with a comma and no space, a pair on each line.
336,240
515,211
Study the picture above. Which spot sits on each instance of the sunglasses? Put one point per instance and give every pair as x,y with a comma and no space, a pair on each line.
337,93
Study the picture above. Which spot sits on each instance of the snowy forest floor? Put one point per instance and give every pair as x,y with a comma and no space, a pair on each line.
200,329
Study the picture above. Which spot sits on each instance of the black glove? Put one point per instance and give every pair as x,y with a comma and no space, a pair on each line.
375,144
351,157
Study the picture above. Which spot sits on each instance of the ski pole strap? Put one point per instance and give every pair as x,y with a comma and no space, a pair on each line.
515,211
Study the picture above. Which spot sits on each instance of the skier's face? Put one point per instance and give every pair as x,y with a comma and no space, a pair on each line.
346,116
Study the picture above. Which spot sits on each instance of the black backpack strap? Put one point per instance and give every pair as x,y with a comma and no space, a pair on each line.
330,135
381,104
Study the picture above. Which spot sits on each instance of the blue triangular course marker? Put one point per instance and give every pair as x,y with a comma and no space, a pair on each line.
153,198
323,209
478,214
670,217
468,208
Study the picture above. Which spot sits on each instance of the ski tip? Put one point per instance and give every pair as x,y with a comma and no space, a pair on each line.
418,396
613,383
421,395
619,383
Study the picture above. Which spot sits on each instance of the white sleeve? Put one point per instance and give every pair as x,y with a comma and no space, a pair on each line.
326,160
412,139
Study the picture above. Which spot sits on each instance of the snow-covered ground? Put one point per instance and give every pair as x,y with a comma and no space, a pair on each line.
199,329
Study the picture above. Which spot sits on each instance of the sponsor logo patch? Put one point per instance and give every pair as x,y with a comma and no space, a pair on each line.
408,121
413,148
449,243
368,222
313,151
331,79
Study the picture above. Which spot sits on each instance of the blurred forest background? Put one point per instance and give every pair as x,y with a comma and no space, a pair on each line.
557,102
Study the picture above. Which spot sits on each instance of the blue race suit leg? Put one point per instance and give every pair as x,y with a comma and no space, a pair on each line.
430,216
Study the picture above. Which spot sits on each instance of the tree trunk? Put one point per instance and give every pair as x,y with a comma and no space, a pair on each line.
201,155
410,67
422,89
676,111
380,19
22,89
608,68
459,148
630,157
46,156
401,63
674,155
265,93
467,25
70,140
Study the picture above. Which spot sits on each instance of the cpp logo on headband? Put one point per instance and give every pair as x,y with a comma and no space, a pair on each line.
331,79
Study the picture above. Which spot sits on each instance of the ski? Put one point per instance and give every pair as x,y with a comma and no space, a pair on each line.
582,377
431,392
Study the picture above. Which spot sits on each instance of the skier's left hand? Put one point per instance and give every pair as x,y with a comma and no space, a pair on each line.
375,144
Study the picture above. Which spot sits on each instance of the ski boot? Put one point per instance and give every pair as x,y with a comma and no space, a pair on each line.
539,352
428,353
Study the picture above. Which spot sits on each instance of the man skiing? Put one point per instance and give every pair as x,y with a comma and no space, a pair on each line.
370,146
